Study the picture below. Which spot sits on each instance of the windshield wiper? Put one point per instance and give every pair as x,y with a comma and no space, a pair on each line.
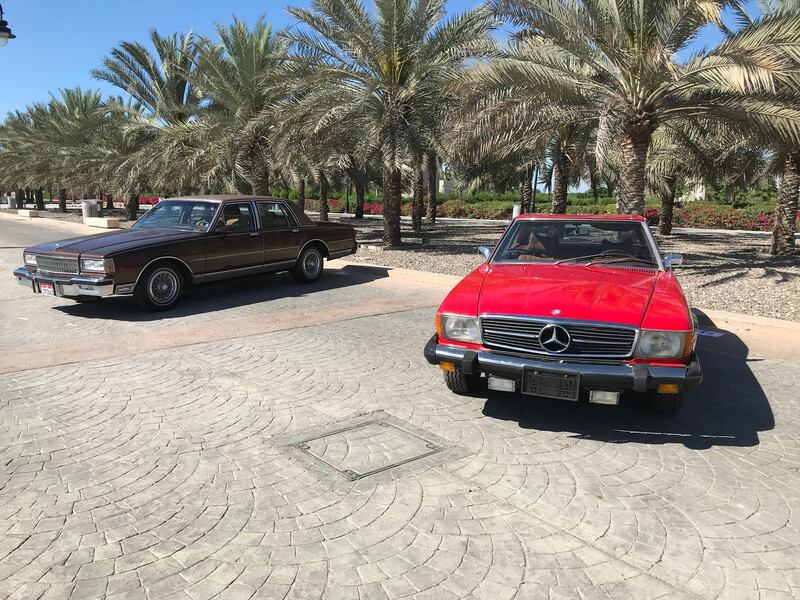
620,259
607,254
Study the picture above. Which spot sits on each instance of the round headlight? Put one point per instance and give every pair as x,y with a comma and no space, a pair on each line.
662,344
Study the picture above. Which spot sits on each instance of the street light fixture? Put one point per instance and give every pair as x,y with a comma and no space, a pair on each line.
5,30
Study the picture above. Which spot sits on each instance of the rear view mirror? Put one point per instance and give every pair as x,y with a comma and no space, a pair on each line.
673,260
485,252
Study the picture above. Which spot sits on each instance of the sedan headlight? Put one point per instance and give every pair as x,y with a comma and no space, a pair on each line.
665,344
30,259
458,328
97,265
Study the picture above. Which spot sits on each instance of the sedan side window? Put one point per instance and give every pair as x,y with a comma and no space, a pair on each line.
273,216
236,218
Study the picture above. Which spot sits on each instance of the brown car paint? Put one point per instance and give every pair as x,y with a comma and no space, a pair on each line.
132,249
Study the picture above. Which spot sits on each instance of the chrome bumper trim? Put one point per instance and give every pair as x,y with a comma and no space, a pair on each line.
68,287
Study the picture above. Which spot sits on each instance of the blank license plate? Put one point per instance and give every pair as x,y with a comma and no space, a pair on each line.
47,289
549,384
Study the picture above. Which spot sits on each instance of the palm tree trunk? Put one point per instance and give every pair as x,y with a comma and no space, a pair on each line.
360,193
560,186
535,186
610,187
635,144
786,207
417,207
259,171
110,202
593,184
391,207
527,189
132,206
62,200
20,199
39,195
667,204
433,183
301,194
323,197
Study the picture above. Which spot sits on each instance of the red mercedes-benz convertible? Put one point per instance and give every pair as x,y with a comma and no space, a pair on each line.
571,307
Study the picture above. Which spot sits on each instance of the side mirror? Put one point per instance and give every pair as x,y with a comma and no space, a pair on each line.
673,260
486,252
584,230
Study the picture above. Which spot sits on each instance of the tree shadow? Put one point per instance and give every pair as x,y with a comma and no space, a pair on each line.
729,408
227,294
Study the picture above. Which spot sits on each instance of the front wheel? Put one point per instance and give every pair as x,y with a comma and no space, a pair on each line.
159,288
460,383
309,266
666,404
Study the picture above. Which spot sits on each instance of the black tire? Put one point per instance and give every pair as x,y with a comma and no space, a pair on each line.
460,383
309,265
666,404
159,287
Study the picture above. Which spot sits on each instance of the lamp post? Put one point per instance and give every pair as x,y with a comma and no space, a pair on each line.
5,30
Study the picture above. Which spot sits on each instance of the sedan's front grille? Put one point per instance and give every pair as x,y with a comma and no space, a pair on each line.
585,339
57,264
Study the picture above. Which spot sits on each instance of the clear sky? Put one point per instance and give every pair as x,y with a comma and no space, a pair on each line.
59,41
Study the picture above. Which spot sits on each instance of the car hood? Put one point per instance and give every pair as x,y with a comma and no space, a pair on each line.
105,244
594,293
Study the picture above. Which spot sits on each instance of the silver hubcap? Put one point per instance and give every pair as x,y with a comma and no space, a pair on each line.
312,263
163,286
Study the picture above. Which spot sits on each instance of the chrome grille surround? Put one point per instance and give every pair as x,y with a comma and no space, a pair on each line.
589,339
58,265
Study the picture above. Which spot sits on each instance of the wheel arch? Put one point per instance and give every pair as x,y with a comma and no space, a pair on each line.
184,269
326,252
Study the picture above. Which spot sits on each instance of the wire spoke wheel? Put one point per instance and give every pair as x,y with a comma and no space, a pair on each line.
163,287
312,264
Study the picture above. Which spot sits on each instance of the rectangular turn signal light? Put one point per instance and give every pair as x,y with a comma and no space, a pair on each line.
668,388
447,366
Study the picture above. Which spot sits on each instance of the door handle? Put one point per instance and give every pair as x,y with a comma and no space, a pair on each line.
254,234
295,231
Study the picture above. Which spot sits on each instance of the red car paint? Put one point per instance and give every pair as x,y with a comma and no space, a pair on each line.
618,294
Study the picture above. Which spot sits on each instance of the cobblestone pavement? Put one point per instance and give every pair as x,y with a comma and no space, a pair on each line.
266,466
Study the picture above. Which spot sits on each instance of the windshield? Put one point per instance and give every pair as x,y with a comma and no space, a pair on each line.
174,214
590,242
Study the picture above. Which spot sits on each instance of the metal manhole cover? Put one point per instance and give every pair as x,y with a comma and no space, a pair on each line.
367,448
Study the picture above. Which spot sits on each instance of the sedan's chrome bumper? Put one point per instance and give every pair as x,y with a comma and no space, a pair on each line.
636,376
66,286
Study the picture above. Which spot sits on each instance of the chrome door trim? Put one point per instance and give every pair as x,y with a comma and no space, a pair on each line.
242,271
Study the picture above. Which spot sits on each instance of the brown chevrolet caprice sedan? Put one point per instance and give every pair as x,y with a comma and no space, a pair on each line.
183,241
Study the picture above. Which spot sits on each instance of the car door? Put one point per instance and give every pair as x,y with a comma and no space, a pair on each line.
234,242
280,232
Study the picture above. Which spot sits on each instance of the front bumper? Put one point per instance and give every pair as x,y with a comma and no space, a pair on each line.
606,376
66,286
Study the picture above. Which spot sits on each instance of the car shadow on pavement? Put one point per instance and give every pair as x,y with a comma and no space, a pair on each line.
729,408
227,294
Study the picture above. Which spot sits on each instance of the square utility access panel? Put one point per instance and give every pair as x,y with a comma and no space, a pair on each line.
367,448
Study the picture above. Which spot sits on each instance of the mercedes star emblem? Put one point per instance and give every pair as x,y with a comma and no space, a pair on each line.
554,338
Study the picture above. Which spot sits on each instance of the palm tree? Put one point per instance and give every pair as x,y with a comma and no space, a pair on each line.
379,74
238,79
617,63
